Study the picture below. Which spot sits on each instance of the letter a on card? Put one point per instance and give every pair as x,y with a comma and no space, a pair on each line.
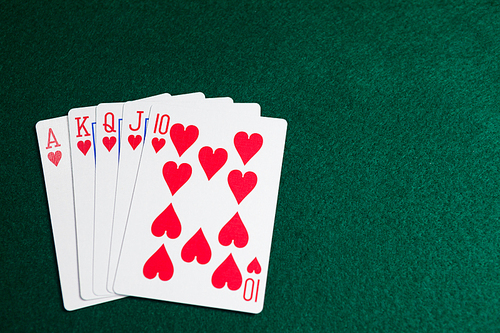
54,145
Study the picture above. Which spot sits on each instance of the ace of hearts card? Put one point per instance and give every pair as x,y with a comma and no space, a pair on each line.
201,220
54,145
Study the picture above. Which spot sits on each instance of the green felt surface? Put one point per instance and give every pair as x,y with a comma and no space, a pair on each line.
388,211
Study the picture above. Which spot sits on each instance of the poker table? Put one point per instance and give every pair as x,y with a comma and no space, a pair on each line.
388,210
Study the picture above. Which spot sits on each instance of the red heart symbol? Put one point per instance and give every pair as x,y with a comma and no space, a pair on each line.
229,273
55,157
176,177
167,222
134,140
183,139
254,266
109,143
241,185
157,144
84,146
246,146
210,161
197,247
159,264
234,230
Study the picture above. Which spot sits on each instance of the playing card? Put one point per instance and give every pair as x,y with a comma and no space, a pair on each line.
108,142
200,224
53,141
129,161
81,123
135,118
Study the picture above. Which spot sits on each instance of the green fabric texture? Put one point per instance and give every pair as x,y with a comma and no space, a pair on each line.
389,207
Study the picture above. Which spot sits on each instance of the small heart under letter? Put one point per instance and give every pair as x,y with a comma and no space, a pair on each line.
167,222
157,144
254,267
211,161
241,185
197,247
229,273
247,146
159,264
176,177
234,231
55,157
134,140
183,138
109,142
84,146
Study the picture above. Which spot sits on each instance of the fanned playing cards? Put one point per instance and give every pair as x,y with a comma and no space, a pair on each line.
169,197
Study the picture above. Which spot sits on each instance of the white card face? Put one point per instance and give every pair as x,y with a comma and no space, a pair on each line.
53,141
80,121
108,116
200,225
133,131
